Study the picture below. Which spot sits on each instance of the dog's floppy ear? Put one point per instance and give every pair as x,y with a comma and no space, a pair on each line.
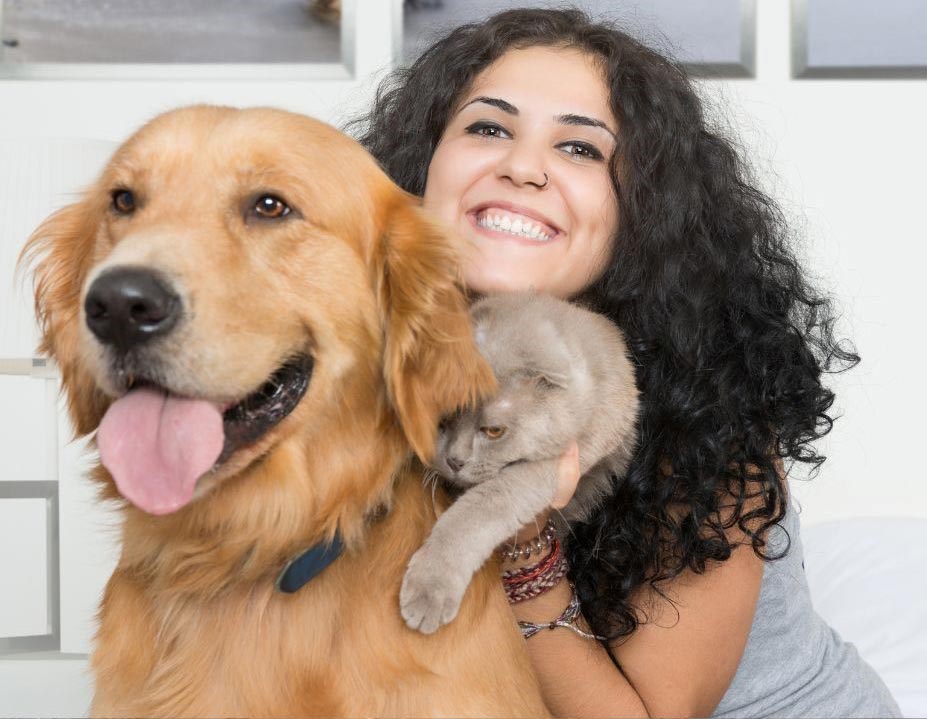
60,254
431,363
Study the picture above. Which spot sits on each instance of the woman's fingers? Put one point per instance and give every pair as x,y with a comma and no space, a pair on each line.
567,477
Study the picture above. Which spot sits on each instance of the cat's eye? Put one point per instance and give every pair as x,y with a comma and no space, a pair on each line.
493,432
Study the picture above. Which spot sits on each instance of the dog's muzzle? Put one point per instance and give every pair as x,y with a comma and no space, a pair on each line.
156,441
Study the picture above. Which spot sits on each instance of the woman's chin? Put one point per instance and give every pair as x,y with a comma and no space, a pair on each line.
483,284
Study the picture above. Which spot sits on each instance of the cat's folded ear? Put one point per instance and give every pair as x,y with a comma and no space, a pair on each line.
546,378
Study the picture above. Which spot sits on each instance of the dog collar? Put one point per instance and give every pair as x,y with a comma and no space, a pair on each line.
303,567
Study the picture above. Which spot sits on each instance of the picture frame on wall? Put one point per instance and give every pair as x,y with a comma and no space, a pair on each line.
859,39
38,557
711,38
317,39
175,40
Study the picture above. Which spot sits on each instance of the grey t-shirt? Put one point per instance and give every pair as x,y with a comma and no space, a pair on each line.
794,664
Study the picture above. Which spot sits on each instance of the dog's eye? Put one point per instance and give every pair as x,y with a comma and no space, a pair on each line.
493,432
270,207
123,201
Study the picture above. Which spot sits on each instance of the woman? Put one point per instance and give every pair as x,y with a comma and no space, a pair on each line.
579,163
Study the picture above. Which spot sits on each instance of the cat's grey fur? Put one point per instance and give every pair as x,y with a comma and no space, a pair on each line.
563,374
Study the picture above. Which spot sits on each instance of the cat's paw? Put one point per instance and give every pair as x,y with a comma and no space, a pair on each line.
431,593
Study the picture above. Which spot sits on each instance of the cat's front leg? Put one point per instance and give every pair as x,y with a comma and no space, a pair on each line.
466,535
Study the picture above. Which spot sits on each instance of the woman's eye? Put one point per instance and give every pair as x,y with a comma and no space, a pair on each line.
270,207
581,149
486,129
493,432
123,201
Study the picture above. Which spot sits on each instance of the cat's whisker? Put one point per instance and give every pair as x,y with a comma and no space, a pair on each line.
569,528
431,476
537,527
434,488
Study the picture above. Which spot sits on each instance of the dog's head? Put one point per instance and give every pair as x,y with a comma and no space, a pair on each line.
239,279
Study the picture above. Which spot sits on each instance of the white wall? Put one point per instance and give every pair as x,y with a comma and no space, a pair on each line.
844,156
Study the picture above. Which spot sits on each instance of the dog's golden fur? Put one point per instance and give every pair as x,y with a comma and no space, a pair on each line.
190,624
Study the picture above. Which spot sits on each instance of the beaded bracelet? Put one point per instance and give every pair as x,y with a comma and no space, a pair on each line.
566,619
544,539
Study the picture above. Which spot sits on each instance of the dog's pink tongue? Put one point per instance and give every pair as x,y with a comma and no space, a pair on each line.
157,445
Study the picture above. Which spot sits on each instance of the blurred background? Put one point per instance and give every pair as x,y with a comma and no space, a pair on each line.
828,100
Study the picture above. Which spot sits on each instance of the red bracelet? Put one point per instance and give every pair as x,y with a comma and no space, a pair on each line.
531,581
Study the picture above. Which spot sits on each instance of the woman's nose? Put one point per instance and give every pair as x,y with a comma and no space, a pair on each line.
523,165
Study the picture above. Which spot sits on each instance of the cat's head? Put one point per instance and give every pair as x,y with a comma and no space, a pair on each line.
527,419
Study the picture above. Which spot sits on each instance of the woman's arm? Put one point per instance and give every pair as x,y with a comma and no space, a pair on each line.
682,661
577,677
679,663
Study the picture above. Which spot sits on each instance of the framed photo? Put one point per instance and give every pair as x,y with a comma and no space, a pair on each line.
859,39
30,605
712,38
174,39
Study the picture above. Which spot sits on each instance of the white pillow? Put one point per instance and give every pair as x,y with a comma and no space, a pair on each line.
868,580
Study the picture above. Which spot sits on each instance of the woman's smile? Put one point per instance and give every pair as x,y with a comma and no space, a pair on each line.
509,221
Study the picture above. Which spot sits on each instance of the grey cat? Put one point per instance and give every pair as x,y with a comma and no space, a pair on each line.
563,374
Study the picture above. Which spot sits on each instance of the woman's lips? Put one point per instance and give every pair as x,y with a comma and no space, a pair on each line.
501,207
503,220
493,233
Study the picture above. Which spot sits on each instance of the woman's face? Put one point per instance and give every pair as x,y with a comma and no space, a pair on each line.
522,171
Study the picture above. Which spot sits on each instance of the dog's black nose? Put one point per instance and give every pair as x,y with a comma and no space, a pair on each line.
128,305
455,464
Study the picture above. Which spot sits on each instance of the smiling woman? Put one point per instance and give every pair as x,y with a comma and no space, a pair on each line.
536,119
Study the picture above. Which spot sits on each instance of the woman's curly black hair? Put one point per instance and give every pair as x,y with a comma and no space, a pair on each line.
729,338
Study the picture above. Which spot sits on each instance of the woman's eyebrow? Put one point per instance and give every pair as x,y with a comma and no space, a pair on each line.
571,119
567,119
506,107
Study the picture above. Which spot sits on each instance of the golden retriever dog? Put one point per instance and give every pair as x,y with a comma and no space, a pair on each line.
263,332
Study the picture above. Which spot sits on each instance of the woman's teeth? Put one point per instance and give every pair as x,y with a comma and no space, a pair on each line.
517,226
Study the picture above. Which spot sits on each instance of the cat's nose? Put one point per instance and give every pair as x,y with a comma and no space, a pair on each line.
455,464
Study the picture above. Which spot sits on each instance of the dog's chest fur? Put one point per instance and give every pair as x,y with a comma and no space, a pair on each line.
337,647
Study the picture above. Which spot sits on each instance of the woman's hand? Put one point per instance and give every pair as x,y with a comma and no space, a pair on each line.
567,479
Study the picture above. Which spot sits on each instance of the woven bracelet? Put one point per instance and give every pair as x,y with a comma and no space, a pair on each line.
529,582
567,620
